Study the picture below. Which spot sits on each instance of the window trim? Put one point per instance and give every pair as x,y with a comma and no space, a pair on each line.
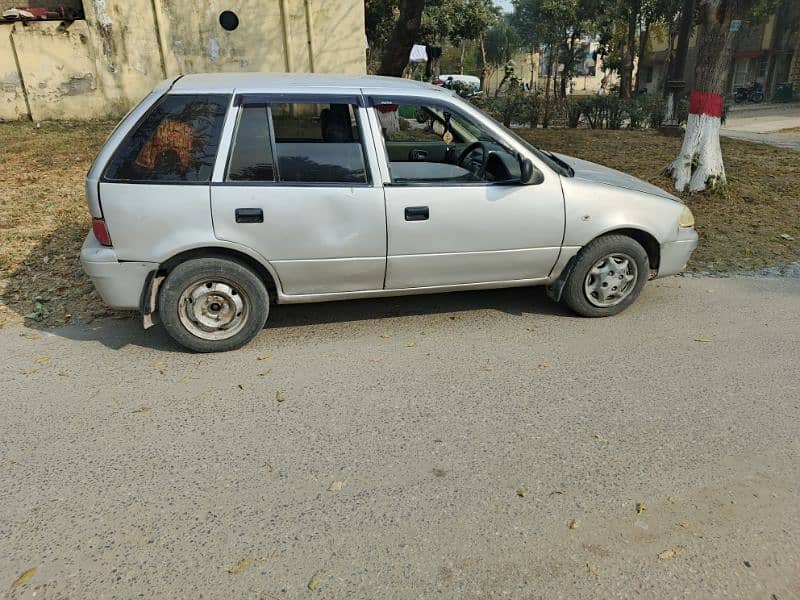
135,127
244,99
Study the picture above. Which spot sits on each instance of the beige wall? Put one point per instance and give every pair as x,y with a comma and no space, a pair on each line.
100,67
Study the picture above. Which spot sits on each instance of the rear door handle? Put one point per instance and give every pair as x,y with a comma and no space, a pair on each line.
418,154
417,213
249,215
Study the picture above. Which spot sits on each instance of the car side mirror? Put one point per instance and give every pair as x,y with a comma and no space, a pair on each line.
528,173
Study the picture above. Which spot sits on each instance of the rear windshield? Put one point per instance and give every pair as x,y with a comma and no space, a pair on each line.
176,142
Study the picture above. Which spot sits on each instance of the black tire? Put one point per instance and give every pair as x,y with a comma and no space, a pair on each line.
574,294
757,97
244,285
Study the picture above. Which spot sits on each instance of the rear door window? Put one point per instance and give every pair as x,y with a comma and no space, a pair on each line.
176,142
318,143
251,156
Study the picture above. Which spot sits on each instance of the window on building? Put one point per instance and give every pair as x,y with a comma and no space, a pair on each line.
176,142
41,10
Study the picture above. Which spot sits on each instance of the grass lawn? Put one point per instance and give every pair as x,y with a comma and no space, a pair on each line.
43,215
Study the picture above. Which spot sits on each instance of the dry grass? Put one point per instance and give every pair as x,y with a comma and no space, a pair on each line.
43,215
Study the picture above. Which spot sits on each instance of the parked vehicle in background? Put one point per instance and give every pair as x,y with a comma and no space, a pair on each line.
752,92
221,195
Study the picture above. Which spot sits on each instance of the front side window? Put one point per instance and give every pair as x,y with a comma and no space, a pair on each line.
176,142
429,143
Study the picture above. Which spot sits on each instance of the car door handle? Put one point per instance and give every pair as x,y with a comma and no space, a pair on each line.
417,213
418,154
249,215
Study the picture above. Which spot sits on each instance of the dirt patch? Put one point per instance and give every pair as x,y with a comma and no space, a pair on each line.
43,214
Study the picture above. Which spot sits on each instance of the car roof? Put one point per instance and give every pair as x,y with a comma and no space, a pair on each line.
287,82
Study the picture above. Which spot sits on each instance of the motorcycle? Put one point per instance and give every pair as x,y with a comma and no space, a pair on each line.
752,92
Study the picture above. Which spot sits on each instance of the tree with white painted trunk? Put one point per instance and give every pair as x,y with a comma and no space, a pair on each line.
699,164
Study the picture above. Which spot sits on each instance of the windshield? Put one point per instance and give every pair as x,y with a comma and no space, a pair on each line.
555,163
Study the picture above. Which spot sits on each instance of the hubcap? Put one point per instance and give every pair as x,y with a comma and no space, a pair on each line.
213,310
611,280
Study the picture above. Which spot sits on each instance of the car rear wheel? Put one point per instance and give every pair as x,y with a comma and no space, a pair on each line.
213,304
608,275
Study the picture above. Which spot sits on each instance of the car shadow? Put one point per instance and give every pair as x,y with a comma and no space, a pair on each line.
49,287
126,329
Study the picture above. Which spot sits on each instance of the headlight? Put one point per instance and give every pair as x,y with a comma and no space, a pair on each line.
687,218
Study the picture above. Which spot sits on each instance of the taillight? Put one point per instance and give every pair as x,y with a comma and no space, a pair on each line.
101,232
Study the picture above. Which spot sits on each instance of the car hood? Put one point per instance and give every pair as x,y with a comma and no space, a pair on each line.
594,173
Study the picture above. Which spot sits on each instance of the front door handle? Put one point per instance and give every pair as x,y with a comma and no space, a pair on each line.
249,215
417,213
418,154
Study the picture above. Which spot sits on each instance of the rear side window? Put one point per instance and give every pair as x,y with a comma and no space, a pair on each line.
300,142
176,142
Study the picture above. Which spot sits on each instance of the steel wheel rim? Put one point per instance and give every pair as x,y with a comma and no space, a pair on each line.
213,309
611,279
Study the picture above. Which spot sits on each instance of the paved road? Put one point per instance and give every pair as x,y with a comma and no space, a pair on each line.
772,124
131,469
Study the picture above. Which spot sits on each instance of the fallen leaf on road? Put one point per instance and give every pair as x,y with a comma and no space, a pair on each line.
683,524
573,524
63,374
411,344
787,237
386,336
142,408
265,373
640,507
438,441
263,357
455,317
521,492
24,577
337,486
240,566
31,336
159,365
279,397
670,499
269,467
591,568
41,360
29,371
313,583
701,339
185,379
600,438
543,365
671,552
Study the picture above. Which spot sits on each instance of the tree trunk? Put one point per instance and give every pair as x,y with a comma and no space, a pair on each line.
700,160
461,60
534,75
398,48
626,73
546,119
675,79
642,49
484,61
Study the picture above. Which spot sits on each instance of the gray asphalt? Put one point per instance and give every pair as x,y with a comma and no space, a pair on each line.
466,433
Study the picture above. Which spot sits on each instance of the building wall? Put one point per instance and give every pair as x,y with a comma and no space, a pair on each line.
101,67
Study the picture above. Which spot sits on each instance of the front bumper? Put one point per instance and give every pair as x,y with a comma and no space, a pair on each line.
120,283
675,255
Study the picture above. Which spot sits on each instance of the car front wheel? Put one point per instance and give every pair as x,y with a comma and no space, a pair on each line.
608,275
213,304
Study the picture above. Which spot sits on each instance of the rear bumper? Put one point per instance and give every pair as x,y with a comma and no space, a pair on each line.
675,255
119,283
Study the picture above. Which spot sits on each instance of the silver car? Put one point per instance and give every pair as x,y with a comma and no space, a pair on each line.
219,195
